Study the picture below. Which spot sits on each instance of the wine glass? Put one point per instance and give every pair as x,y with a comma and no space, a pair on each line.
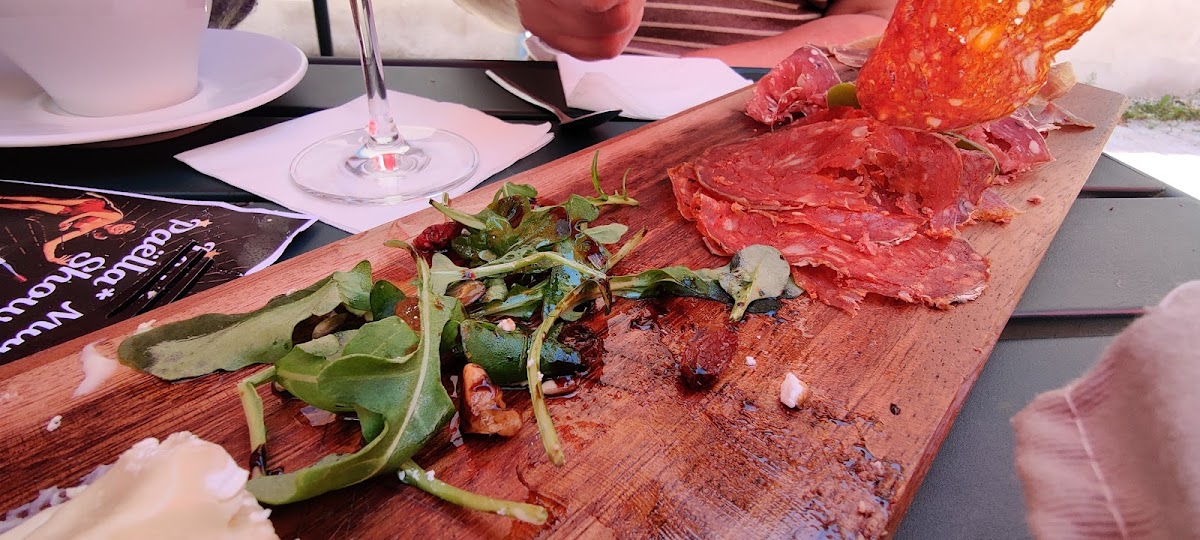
383,163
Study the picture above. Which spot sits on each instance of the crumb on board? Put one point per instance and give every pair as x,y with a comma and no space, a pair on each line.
1035,200
792,392
54,423
750,361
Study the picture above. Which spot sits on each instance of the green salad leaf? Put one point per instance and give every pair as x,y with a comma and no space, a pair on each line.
405,392
754,273
216,342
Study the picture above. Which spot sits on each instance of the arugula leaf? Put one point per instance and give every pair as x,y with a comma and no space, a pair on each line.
501,353
510,189
496,290
215,342
521,303
603,199
408,396
580,209
669,281
469,221
533,373
387,338
297,372
442,273
754,273
563,280
384,297
606,234
413,475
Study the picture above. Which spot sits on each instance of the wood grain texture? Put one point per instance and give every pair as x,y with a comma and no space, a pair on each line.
646,457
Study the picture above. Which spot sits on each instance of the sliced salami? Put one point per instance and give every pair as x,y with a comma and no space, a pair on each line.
1016,143
797,85
992,207
934,272
822,284
952,64
864,228
855,53
806,164
1052,116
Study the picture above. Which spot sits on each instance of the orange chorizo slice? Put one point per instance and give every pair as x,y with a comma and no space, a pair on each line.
950,64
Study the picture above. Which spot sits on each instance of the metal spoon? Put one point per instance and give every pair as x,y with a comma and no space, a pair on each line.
564,121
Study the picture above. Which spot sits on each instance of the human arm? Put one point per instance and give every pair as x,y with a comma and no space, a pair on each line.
845,21
585,29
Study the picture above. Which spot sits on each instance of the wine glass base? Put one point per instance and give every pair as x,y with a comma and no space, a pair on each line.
342,168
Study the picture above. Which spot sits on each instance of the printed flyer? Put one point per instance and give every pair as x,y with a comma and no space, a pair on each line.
75,260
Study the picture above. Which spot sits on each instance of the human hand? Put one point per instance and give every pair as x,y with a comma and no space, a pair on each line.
585,29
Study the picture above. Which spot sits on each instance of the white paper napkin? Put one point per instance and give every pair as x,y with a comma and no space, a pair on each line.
258,162
645,87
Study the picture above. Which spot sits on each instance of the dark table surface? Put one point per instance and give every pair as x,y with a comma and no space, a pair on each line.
1127,241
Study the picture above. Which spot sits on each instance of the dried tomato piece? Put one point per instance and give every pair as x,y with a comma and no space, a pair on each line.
437,237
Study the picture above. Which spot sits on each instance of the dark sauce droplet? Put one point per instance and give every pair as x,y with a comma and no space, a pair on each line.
258,463
895,409
706,357
647,315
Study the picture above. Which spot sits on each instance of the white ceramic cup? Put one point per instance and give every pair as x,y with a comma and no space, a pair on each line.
107,57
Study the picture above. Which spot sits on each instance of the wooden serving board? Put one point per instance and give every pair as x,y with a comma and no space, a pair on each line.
646,457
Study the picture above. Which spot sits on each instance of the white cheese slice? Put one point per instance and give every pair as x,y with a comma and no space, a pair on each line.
184,488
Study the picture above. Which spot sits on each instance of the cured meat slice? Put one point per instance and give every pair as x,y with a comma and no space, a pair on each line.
796,85
809,164
1059,80
883,224
855,53
993,207
935,272
929,173
951,64
822,284
845,160
1053,117
866,228
1014,141
685,187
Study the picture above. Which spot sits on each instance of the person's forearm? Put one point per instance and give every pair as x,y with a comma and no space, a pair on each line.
766,52
586,29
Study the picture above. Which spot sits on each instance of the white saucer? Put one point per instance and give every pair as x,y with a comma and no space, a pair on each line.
238,72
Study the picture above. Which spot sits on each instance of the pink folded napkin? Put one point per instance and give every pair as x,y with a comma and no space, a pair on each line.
1116,454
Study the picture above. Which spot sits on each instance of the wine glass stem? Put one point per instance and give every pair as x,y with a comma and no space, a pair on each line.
381,128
